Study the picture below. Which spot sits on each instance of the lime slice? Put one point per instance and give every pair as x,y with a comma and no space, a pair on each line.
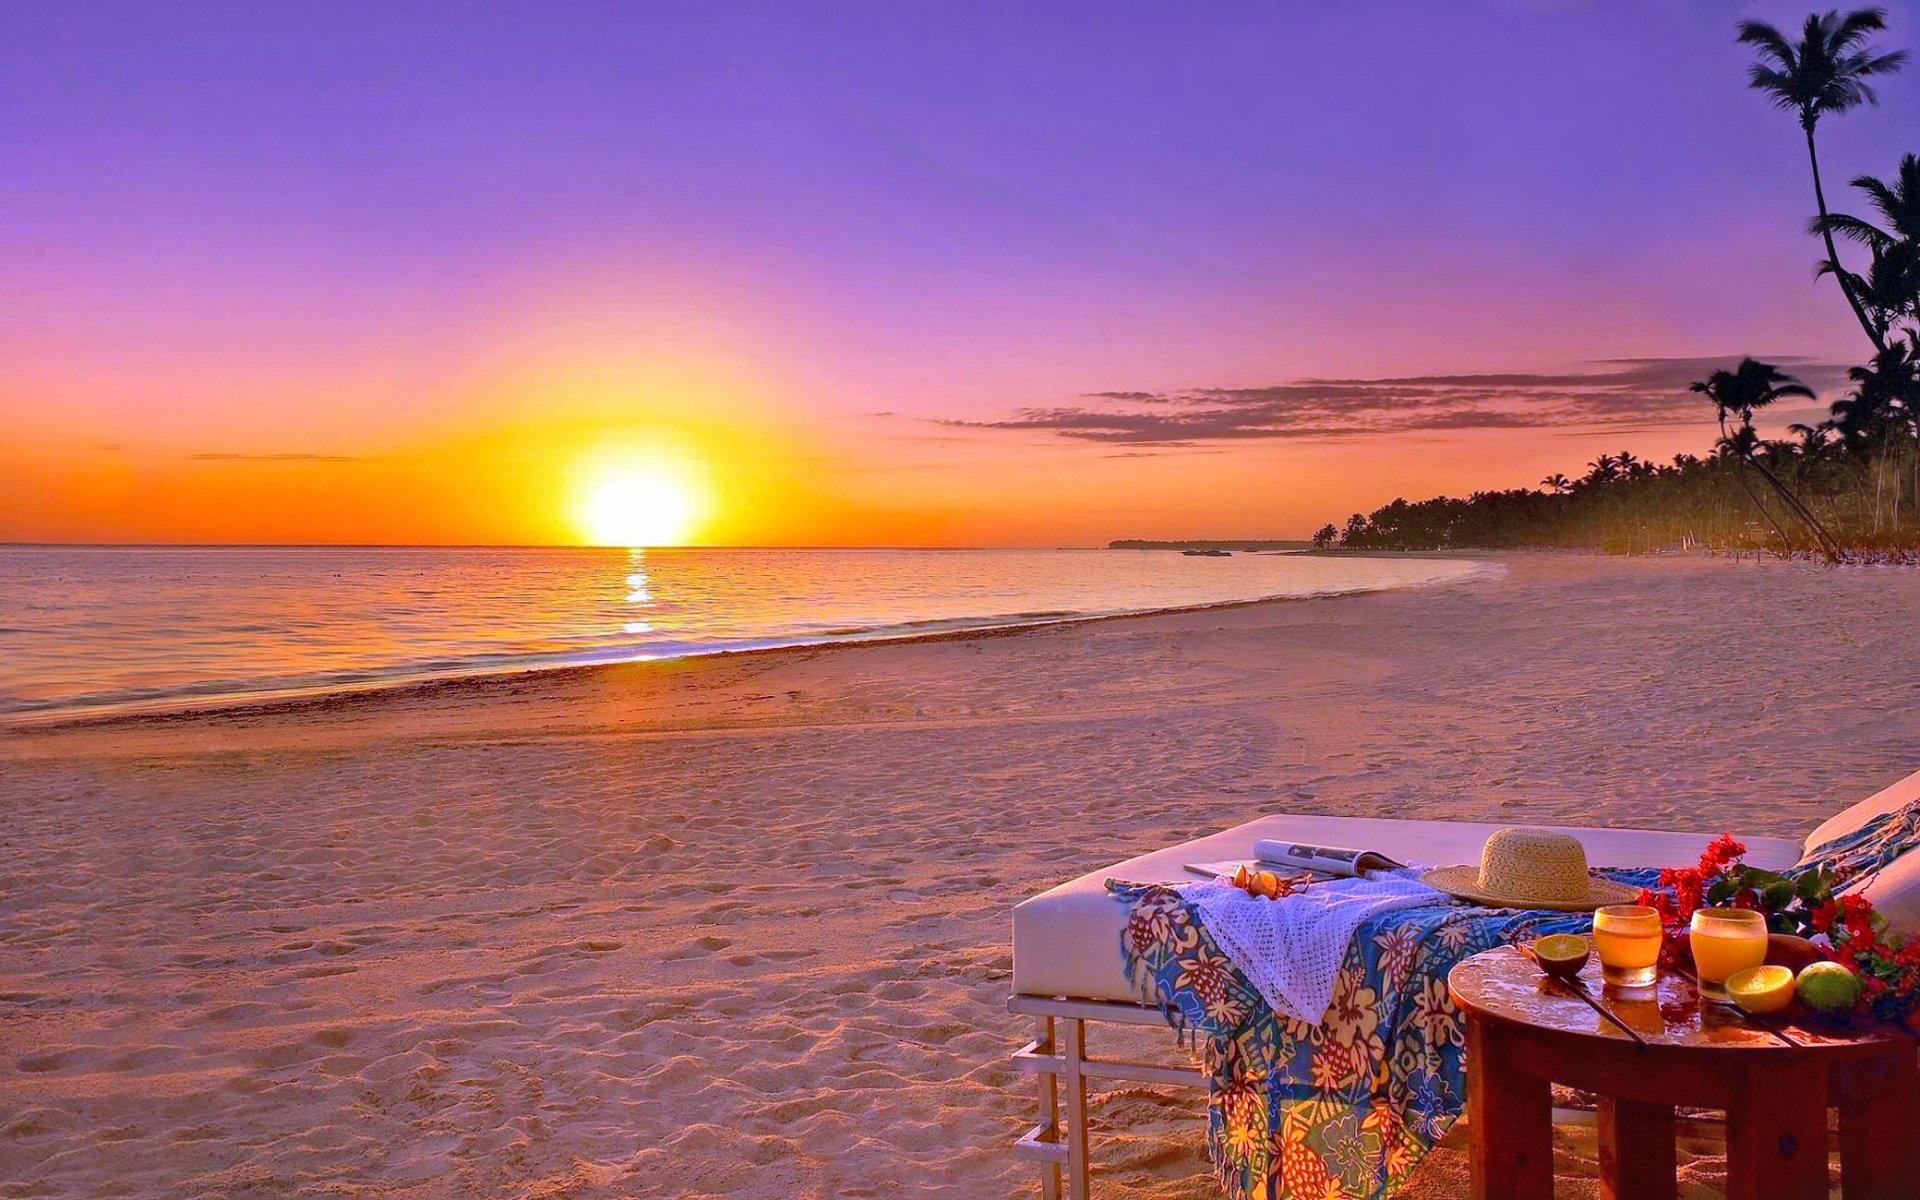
1761,989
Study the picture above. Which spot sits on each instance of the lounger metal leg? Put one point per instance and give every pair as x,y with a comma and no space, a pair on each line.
1058,1053
1076,1125
1049,1110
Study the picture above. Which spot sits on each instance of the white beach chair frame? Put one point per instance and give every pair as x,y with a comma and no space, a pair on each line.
1057,1059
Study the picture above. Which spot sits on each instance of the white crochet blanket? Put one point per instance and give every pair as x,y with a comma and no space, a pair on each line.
1292,948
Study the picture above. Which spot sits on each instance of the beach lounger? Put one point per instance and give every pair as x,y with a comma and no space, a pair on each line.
1067,968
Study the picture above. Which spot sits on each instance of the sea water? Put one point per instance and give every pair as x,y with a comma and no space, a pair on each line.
103,628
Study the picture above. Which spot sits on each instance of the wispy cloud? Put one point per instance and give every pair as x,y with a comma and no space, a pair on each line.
224,456
1623,394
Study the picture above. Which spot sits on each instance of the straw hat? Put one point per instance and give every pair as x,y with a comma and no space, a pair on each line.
1531,868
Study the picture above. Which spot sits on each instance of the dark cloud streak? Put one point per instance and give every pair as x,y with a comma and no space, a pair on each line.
1628,394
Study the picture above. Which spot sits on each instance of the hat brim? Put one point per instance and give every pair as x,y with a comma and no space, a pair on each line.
1463,881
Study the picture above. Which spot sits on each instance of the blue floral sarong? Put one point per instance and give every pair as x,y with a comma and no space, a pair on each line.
1348,1108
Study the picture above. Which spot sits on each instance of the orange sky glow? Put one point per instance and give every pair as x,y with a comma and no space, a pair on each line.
393,278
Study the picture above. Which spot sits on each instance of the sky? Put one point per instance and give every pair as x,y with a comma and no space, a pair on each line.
858,274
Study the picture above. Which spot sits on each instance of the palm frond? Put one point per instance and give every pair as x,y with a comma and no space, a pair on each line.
1770,42
1853,228
1877,64
1853,28
1827,266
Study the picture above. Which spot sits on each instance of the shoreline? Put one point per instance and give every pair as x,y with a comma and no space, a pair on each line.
403,688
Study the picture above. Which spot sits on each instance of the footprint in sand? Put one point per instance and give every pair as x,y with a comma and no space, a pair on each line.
730,912
698,949
766,956
323,972
40,1064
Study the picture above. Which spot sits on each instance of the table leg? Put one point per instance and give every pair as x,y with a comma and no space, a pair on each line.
1879,1112
1637,1155
1777,1134
1509,1120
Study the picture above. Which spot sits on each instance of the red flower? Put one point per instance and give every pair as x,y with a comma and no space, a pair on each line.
1721,853
1824,916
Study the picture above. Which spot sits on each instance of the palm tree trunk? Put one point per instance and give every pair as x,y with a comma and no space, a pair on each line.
1833,255
1740,473
1827,545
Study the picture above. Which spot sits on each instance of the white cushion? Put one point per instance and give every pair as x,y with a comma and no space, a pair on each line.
1066,941
1897,795
1895,891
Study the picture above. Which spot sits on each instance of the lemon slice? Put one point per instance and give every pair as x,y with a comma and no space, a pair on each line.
1765,989
1562,953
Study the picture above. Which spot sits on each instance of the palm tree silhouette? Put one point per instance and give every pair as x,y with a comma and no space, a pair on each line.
1813,438
1825,72
1886,401
1880,409
1740,393
1557,483
1898,203
1888,291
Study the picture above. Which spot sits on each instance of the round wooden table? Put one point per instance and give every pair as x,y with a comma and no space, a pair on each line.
1774,1076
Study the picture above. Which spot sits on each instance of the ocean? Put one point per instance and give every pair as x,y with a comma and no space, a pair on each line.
108,628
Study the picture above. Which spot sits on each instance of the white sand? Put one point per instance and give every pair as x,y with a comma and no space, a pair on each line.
739,926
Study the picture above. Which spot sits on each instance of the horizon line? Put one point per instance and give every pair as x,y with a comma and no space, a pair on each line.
15,544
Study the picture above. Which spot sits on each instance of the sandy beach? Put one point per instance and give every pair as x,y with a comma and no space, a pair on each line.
738,926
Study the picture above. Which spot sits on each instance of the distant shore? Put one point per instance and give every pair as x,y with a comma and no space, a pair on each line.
1249,547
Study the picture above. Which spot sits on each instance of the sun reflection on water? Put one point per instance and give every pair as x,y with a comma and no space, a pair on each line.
638,591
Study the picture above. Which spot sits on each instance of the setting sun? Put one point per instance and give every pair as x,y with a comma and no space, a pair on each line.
637,501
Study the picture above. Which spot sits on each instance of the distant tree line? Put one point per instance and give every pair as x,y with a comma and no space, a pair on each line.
1848,483
1250,546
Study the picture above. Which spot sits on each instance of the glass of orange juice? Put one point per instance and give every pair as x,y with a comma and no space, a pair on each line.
1725,940
1628,939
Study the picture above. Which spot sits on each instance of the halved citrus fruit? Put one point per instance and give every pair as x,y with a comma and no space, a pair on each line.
1765,989
1562,953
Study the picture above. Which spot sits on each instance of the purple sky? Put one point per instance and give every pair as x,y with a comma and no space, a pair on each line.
254,230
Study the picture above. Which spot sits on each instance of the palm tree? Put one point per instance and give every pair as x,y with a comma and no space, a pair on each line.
1557,483
1737,444
1631,467
1880,415
1826,72
1889,291
1813,438
1740,393
1868,417
1898,203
